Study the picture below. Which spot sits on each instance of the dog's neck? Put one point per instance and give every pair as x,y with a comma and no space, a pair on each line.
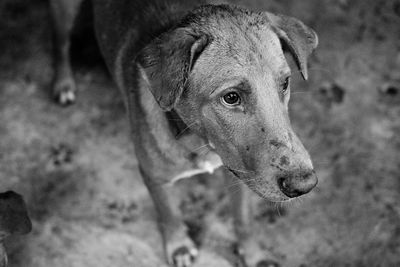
168,129
177,126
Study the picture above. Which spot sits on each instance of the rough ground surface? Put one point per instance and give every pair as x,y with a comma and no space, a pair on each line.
77,170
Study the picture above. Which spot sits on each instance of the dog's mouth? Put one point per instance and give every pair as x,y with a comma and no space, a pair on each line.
262,189
234,172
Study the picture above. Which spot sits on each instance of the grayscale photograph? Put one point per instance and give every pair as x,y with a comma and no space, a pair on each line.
199,133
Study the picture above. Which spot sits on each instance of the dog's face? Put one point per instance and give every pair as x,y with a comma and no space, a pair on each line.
235,92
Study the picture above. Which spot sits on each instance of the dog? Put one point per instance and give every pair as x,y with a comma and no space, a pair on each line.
195,75
14,220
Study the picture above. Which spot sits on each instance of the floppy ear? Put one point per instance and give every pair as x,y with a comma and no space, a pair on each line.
14,217
167,62
297,37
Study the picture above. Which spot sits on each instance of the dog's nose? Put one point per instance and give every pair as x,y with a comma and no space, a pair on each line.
297,183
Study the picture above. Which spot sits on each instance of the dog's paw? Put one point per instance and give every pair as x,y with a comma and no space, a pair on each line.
184,257
181,253
64,92
267,263
251,255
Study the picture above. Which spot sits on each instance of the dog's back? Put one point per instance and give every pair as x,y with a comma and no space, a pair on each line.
140,21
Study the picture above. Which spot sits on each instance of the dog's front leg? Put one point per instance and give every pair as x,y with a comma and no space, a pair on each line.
179,249
249,250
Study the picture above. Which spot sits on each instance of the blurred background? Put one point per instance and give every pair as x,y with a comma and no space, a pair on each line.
77,170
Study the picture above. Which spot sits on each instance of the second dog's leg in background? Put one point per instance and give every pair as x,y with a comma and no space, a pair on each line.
63,13
178,247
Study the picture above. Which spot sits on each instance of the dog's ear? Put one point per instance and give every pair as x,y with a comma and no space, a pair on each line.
167,62
14,217
300,39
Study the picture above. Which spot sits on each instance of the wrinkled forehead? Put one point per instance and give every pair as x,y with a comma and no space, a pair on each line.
238,50
248,44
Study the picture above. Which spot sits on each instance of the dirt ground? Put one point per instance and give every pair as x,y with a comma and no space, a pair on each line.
77,170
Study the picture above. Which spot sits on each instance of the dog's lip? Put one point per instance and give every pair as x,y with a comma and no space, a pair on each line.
281,198
234,173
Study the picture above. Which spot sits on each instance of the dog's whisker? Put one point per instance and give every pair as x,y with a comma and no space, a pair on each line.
236,190
238,170
277,208
204,152
323,161
199,148
316,69
313,146
184,130
239,182
242,171
317,189
321,69
300,92
289,203
234,183
299,200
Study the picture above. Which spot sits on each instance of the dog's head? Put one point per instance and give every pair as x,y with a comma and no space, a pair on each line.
224,71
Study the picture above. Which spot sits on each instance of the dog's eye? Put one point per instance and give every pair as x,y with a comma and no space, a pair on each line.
285,85
231,99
